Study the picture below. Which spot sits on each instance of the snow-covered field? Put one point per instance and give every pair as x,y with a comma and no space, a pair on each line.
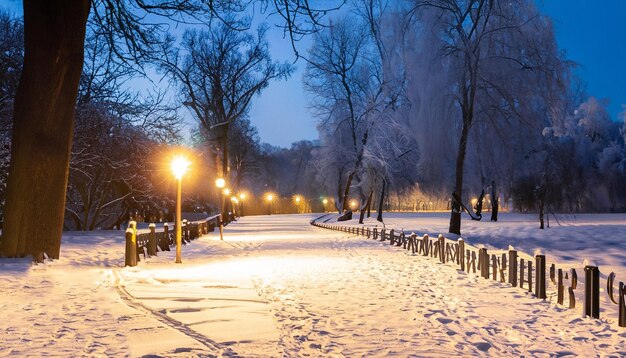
279,287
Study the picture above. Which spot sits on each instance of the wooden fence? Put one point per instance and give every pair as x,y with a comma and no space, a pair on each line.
149,243
516,268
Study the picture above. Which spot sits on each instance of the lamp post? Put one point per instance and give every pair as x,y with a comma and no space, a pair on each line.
297,199
242,197
235,204
269,197
220,183
180,166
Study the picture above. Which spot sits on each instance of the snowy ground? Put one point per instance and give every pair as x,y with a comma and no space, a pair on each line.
279,287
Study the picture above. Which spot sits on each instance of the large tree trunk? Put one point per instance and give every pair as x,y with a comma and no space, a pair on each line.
346,192
54,34
455,215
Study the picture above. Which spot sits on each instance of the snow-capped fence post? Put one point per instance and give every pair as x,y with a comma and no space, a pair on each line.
494,267
130,256
460,255
165,244
152,243
592,292
503,266
392,238
540,276
513,268
426,243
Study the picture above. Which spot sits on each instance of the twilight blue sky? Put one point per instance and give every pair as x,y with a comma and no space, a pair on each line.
592,33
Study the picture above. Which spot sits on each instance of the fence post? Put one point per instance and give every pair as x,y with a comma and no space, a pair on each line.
513,268
442,248
460,256
530,276
130,257
494,268
392,237
483,262
560,289
622,305
426,242
592,292
521,273
540,276
152,243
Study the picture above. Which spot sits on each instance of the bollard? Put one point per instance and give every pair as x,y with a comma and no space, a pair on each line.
513,268
460,257
592,292
152,242
540,276
131,247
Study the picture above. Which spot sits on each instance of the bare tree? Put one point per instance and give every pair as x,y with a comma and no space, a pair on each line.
218,73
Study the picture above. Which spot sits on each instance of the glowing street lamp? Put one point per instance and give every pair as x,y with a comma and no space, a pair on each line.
269,198
325,202
242,197
297,200
220,183
235,203
180,166
353,204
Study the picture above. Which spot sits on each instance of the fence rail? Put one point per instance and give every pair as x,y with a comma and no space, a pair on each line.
516,268
149,243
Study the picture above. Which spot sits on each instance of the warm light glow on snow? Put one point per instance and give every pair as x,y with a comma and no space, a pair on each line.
180,166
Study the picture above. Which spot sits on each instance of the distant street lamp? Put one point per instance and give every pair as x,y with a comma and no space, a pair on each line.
325,202
180,166
297,199
269,198
242,197
235,203
220,183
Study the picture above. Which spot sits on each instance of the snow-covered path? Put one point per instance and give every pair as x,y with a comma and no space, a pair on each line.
278,287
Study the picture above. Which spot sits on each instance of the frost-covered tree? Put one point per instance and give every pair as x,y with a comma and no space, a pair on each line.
489,52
